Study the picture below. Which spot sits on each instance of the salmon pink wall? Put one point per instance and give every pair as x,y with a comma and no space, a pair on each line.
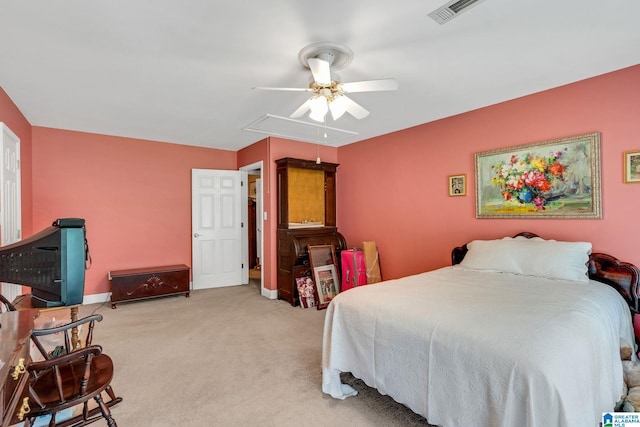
11,116
270,150
135,196
393,189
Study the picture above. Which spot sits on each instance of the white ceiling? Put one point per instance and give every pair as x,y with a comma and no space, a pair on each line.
183,71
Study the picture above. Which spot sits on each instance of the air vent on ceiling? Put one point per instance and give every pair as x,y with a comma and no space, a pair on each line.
452,9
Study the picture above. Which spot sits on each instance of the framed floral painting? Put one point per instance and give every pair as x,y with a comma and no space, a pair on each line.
559,178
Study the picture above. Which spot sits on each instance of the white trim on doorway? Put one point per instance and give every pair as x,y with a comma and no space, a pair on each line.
257,169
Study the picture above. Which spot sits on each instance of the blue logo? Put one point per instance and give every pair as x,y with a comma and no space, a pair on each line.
607,420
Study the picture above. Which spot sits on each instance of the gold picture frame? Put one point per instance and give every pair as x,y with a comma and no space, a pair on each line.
327,285
632,167
559,178
458,185
323,265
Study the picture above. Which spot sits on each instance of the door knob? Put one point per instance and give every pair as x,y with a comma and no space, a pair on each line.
196,235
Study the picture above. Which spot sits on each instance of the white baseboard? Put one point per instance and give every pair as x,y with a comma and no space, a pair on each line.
104,297
96,298
269,293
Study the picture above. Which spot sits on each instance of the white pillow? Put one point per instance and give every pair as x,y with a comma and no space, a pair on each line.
530,257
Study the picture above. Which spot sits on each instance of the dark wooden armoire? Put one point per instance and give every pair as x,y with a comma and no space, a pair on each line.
306,216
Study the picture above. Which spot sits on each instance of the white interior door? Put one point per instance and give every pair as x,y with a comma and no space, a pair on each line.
218,235
10,199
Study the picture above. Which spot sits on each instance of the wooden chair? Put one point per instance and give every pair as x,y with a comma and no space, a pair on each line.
68,377
5,305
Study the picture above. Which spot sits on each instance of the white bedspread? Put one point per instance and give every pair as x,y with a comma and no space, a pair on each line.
472,349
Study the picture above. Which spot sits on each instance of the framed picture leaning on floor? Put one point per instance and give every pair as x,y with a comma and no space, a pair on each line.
325,274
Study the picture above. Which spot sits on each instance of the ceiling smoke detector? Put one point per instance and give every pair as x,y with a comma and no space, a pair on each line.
452,9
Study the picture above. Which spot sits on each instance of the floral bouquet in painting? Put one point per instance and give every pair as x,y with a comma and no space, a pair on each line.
530,178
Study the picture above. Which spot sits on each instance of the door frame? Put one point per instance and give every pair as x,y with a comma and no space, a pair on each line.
10,217
254,167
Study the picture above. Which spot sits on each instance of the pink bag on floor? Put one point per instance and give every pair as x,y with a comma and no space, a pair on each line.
354,272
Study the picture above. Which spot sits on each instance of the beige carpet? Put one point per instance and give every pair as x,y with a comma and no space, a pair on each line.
228,357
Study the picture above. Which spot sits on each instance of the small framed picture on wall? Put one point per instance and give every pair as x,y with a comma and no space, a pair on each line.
632,166
458,185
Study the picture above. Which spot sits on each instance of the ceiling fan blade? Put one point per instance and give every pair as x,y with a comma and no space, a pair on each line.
353,107
294,89
320,70
302,109
370,85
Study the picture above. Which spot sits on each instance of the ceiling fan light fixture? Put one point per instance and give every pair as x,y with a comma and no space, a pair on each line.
319,107
317,117
337,107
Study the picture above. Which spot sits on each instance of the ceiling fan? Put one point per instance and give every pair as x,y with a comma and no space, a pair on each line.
329,94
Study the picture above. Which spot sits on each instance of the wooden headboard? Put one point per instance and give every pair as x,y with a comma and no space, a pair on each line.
622,276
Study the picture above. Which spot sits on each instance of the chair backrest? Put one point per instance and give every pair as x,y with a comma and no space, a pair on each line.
63,337
6,305
69,340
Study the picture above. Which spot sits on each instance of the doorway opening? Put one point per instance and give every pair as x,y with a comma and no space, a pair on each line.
255,225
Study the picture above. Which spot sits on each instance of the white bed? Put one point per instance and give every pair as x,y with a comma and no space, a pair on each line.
469,347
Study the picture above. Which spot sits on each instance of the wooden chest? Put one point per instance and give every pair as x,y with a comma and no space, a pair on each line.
142,283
